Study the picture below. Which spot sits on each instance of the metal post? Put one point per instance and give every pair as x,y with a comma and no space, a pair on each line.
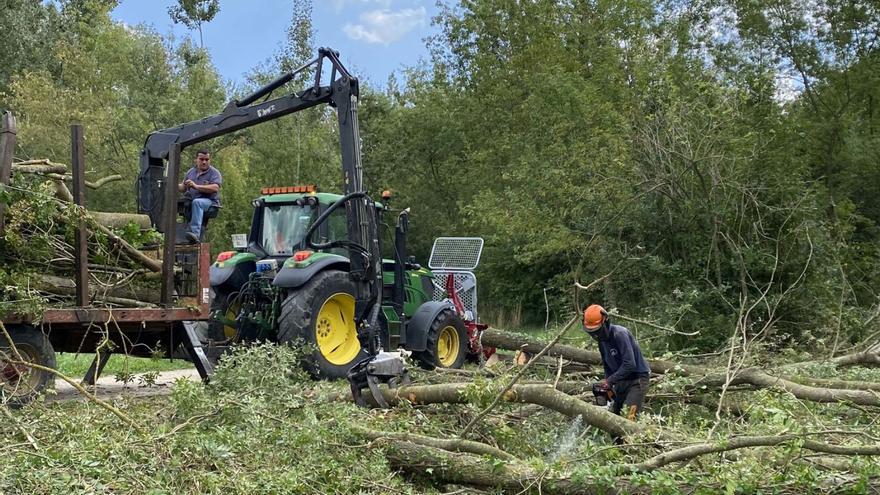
169,211
81,235
8,132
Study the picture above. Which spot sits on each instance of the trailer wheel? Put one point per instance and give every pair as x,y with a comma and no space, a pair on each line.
20,384
321,313
448,343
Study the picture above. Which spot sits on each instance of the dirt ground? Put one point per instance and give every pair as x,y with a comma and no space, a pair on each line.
108,388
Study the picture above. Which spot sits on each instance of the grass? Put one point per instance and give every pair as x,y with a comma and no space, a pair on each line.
75,365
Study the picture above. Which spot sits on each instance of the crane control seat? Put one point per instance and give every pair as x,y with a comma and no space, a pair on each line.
184,209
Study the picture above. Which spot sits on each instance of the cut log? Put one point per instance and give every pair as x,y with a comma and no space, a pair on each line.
120,220
38,167
66,286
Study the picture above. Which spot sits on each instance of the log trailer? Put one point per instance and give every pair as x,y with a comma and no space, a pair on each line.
184,301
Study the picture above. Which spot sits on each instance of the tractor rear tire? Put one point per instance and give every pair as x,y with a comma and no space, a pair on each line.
448,343
20,384
321,314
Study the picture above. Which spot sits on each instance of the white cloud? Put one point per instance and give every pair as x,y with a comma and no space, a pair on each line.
338,5
385,26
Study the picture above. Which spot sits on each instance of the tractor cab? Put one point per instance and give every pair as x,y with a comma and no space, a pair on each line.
283,215
281,218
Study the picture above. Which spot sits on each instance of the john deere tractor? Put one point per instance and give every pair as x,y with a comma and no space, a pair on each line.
311,268
277,287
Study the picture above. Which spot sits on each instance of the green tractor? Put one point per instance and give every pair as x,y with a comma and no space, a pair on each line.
311,268
273,287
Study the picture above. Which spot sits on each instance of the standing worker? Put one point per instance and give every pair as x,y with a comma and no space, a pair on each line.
627,373
202,186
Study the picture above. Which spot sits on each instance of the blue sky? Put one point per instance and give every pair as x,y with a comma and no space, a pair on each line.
374,37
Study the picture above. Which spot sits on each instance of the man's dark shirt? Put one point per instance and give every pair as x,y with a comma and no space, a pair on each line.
621,355
210,176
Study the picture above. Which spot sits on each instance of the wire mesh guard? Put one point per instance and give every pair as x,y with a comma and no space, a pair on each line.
465,287
456,253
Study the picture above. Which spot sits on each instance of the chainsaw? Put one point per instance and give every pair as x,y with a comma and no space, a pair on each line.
602,394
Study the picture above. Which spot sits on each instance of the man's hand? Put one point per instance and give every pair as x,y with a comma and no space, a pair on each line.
188,184
603,383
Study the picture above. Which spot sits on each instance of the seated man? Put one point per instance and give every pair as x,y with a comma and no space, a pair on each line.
202,186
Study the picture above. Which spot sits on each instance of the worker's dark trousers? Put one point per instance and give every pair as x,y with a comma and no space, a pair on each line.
629,396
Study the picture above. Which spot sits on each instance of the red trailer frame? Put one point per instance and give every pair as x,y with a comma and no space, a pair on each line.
184,297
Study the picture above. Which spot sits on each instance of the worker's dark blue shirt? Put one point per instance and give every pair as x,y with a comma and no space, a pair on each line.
621,355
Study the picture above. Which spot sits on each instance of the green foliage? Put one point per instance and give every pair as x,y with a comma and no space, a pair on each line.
251,431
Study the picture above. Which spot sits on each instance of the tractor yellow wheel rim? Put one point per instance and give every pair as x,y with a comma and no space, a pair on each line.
19,380
230,332
335,332
448,345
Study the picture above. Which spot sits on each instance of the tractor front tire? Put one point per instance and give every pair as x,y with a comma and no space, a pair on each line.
448,343
21,384
321,314
220,305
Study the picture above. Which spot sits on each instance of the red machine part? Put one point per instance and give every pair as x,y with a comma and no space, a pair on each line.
474,329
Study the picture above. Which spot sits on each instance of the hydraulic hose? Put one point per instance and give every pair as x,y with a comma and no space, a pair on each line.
321,219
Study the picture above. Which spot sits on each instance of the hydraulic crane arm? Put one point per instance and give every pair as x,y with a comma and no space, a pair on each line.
341,92
365,261
239,114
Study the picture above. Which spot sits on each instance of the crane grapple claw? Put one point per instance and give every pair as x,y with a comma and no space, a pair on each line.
388,368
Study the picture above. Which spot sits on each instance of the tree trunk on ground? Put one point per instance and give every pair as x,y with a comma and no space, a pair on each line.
515,342
544,395
710,378
515,477
512,477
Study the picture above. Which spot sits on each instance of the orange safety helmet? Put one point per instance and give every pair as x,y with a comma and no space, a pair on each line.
594,317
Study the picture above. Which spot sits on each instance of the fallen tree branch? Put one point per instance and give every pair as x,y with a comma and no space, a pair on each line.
91,185
652,325
760,379
829,383
694,451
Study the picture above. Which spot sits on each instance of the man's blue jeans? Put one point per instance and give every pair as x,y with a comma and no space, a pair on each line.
199,206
